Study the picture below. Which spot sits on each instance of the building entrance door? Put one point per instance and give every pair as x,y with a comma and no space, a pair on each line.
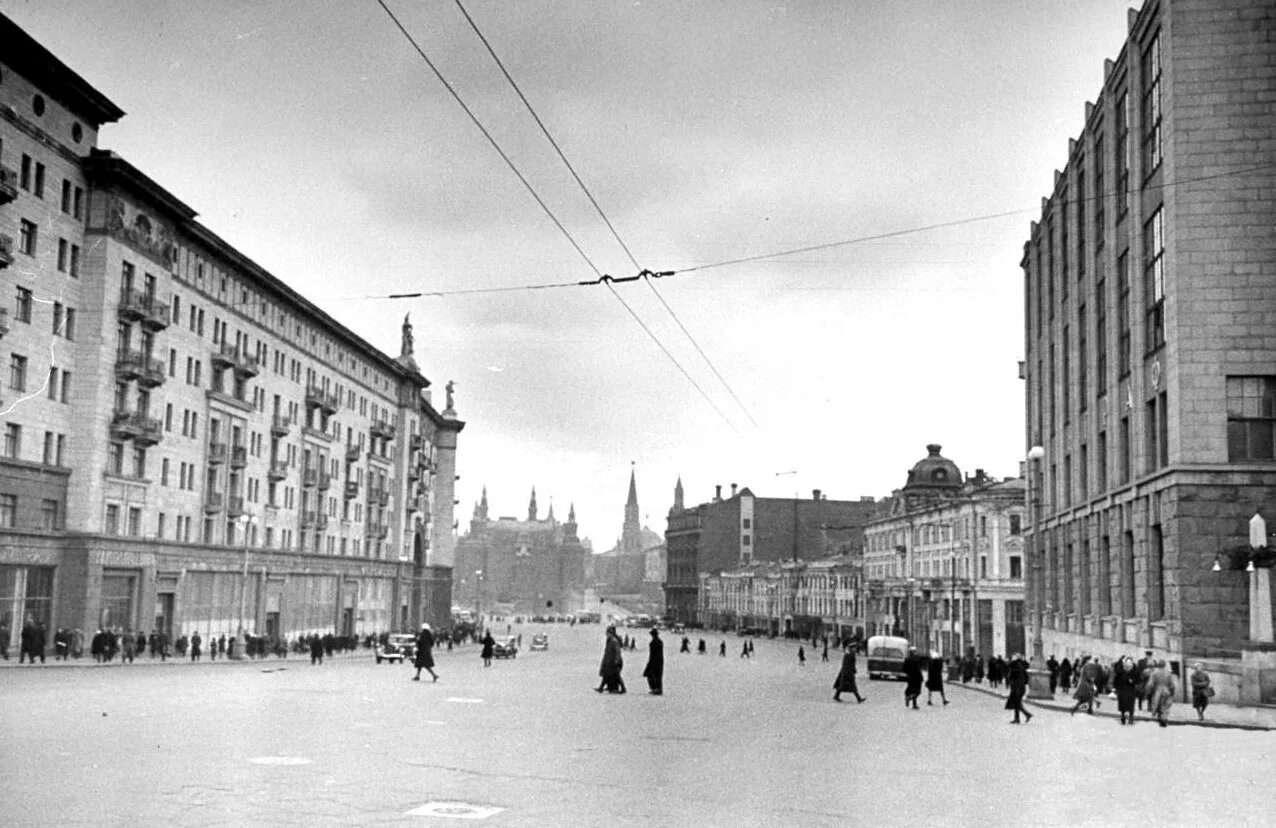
347,621
164,603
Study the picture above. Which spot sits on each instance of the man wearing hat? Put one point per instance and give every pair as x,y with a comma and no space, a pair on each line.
424,653
1144,671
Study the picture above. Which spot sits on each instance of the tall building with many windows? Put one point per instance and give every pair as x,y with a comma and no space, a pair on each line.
184,434
1150,298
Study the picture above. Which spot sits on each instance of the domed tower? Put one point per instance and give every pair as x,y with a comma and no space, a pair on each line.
933,477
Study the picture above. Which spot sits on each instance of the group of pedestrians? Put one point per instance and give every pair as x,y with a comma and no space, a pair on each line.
1147,683
613,662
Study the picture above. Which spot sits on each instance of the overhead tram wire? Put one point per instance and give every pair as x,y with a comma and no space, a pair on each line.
602,277
598,208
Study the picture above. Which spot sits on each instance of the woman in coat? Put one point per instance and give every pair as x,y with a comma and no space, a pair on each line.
424,658
1017,681
845,681
913,678
1084,694
654,672
935,678
1201,690
1125,682
1161,692
611,665
1065,675
489,645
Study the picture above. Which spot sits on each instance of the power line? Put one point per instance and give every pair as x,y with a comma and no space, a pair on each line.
489,137
645,275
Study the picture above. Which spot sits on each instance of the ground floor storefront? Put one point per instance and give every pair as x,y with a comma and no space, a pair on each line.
987,619
86,583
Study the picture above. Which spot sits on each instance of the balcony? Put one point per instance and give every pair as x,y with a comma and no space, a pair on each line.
234,506
325,481
321,521
309,519
4,321
381,497
237,359
383,428
8,184
238,457
147,308
215,503
352,490
309,478
317,434
217,453
280,425
322,400
130,425
278,470
6,250
352,454
377,531
416,442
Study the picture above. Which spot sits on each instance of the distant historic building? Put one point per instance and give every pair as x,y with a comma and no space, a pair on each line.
733,533
622,570
944,566
518,565
800,599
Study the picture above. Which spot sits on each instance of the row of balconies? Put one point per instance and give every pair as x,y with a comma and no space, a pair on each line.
237,359
383,428
141,429
378,496
322,399
144,307
220,452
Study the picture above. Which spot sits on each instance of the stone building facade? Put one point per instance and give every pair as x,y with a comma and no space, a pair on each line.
944,566
186,435
1150,350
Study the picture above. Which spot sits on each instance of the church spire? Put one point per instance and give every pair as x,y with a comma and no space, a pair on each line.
631,534
550,516
571,513
677,495
531,507
483,505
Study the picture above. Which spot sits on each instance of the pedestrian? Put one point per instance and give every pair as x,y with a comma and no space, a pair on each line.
722,649
424,659
130,648
1161,689
967,668
1065,674
801,656
613,662
26,643
316,650
845,681
1201,690
935,678
913,677
1093,670
702,647
5,632
489,645
1052,664
654,672
1144,667
77,643
1084,694
744,650
824,654
141,643
60,641
979,669
1017,681
1126,684
196,641
224,653
686,645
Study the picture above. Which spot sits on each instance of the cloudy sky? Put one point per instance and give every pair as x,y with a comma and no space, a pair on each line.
314,138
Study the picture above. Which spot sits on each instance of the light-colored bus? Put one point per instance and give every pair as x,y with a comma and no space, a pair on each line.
886,654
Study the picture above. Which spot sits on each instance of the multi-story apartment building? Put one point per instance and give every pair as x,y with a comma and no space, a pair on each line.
1150,345
944,566
732,533
796,599
186,435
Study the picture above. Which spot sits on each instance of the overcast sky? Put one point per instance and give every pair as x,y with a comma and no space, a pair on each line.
313,138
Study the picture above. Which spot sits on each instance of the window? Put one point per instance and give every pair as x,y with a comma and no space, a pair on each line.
1101,337
112,526
135,521
139,463
1081,221
1124,458
1251,418
61,450
47,457
53,383
1083,359
66,196
1152,106
24,179
1121,155
66,386
8,511
1154,279
64,253
50,517
1067,376
1100,197
115,458
1123,314
27,236
1101,463
1105,575
1016,524
1156,427
78,209
39,179
1016,568
164,472
17,372
1156,575
75,261
23,305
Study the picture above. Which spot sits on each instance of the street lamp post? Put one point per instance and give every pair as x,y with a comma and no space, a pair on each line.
478,597
952,610
241,636
1038,674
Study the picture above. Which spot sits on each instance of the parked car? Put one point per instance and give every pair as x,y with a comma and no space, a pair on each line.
506,647
539,642
399,647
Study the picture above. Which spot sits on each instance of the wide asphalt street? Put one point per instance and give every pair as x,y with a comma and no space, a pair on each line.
527,742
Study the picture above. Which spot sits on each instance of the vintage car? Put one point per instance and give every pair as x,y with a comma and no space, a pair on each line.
539,642
506,647
399,647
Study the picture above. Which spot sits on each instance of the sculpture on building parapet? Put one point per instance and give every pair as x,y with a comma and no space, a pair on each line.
450,410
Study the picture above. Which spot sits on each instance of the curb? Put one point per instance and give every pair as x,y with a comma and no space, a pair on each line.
1172,723
90,664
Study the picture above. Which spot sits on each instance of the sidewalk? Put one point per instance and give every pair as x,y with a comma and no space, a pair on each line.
1259,717
146,661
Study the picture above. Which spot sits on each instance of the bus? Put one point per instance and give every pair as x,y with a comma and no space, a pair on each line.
886,654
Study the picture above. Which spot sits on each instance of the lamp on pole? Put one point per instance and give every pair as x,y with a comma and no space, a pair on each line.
478,597
241,636
1038,674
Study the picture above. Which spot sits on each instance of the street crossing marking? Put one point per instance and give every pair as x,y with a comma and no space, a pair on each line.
455,810
280,760
464,701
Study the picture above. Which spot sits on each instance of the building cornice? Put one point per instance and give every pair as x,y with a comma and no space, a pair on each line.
24,55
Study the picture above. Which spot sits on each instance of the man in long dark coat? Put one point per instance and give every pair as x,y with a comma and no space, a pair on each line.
1053,666
1017,681
654,672
845,681
316,650
913,677
424,659
613,662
